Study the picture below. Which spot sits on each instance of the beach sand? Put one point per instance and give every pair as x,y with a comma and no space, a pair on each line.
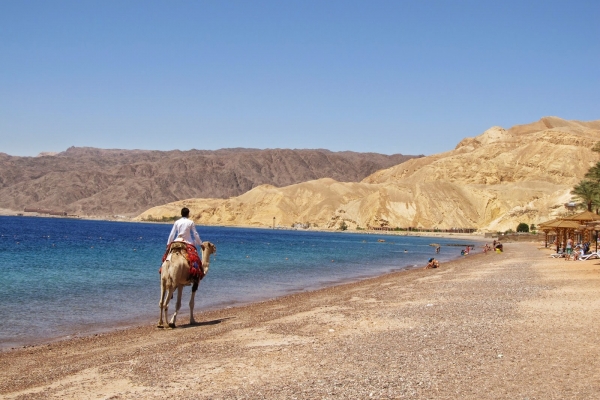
497,326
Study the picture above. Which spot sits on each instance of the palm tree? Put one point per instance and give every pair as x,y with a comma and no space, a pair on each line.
596,204
593,173
587,192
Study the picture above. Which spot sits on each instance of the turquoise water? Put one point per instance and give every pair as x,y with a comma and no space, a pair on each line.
67,277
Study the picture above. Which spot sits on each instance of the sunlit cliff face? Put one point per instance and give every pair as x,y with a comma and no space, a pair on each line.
490,182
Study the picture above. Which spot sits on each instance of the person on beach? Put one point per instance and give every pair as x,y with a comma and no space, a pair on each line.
433,263
184,228
486,248
569,246
437,250
586,248
578,252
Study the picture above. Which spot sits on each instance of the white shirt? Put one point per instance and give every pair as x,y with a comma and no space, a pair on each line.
184,228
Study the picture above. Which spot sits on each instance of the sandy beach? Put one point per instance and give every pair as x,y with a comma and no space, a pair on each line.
510,325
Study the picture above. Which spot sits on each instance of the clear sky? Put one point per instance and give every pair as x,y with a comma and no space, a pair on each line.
411,77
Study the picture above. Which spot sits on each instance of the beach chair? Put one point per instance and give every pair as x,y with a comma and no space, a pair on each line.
590,256
557,255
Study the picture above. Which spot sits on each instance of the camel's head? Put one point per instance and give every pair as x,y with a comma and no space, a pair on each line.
209,247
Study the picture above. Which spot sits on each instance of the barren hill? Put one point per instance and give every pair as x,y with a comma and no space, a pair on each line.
489,182
99,182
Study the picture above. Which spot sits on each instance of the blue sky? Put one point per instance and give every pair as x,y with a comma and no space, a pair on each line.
411,77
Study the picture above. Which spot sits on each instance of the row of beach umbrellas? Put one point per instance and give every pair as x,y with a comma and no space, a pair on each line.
584,222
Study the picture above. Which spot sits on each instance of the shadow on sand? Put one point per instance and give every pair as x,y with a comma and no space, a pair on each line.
205,323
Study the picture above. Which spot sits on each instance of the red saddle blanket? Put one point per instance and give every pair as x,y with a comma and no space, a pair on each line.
192,257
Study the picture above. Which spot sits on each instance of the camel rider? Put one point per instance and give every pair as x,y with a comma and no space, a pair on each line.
184,228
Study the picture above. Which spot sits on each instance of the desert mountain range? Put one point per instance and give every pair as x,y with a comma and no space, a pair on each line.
490,182
97,182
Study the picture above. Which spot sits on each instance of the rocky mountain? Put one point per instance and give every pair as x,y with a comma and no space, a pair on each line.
489,182
98,182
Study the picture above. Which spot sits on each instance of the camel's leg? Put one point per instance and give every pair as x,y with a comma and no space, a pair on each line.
192,320
168,297
161,303
177,306
163,292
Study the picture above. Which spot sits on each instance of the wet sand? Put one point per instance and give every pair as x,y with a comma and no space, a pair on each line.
510,325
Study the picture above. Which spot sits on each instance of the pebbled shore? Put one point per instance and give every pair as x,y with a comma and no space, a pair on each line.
510,325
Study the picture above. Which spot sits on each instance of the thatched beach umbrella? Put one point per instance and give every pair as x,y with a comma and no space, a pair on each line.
583,218
542,224
547,229
563,228
593,226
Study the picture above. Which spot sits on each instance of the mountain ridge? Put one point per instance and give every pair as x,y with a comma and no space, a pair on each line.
489,182
102,182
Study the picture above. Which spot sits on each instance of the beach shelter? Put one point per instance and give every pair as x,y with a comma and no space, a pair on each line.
592,226
583,219
564,229
543,227
585,216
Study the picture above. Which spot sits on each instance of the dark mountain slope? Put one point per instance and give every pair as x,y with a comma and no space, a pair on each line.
89,181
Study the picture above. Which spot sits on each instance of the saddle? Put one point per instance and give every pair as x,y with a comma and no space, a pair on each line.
191,255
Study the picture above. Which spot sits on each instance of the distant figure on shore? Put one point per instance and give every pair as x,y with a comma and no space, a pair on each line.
486,248
498,247
437,250
569,246
578,252
433,263
586,248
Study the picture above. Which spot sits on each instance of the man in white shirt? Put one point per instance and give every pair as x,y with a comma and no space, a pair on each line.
184,228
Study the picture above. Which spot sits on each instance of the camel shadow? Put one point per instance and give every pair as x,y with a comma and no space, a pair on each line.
205,323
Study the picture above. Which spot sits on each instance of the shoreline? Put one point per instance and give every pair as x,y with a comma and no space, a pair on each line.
90,323
480,327
141,322
447,235
84,331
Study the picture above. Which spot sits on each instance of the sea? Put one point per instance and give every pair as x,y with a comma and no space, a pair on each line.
64,277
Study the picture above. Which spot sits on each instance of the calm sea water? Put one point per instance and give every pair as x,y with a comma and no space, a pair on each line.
67,277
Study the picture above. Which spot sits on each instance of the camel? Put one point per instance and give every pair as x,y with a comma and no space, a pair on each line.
175,275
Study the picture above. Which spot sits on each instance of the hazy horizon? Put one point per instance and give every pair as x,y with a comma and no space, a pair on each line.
193,149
